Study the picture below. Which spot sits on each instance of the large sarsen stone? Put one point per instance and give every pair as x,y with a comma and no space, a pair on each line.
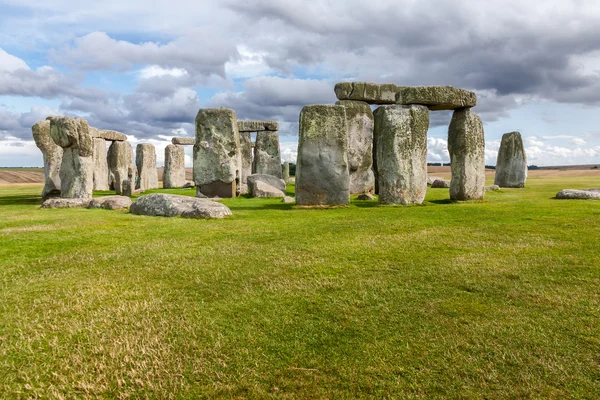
52,154
267,156
174,169
145,160
100,165
170,205
437,97
371,93
511,165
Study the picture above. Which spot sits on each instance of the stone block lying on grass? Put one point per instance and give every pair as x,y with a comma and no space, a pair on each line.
440,184
262,189
171,205
584,194
111,202
274,181
65,203
492,188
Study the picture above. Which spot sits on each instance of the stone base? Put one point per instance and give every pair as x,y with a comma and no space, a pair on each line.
218,189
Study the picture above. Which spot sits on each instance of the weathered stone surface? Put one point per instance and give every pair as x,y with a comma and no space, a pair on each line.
184,141
77,166
246,149
111,202
52,154
121,168
365,196
145,161
112,136
257,126
170,205
267,156
511,165
217,152
437,97
268,179
262,189
431,179
285,172
174,169
100,165
66,203
288,200
466,145
401,148
322,175
583,194
360,120
188,185
491,188
371,93
440,184
217,189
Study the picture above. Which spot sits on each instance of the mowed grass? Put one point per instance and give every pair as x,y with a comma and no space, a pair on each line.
492,299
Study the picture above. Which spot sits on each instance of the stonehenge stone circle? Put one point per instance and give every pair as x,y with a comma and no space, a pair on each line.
184,141
111,202
52,154
511,166
401,133
322,175
174,169
246,149
466,145
120,165
436,97
267,157
77,166
170,205
217,153
371,93
360,120
285,172
257,126
145,160
100,164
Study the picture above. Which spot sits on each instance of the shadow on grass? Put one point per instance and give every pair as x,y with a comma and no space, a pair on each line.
282,206
443,201
20,200
365,204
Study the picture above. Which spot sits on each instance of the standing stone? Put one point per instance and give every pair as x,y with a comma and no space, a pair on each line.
285,171
511,167
53,154
246,149
145,160
401,142
100,165
77,166
360,145
120,160
466,145
322,176
174,169
217,153
267,156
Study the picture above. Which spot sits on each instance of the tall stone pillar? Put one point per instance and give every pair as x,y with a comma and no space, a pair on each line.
145,160
121,167
511,166
100,165
53,154
267,155
246,149
174,169
285,172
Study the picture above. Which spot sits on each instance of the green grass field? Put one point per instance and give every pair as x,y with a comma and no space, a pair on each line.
492,299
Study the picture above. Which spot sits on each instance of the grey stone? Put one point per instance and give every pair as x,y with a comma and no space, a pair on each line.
267,156
262,189
121,168
285,172
401,149
466,145
491,188
288,200
77,166
365,196
174,168
189,185
431,179
371,93
100,165
583,194
66,203
360,120
184,141
111,202
257,126
111,136
268,179
511,165
217,152
145,160
170,205
437,97
246,149
440,184
52,154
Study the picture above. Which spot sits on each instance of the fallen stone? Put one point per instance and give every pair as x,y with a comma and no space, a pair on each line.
174,168
437,97
274,181
183,141
66,203
170,205
401,153
100,165
466,145
583,194
365,196
371,93
52,154
246,149
111,202
111,136
511,164
262,189
257,126
267,157
491,188
440,184
431,179
145,160
288,200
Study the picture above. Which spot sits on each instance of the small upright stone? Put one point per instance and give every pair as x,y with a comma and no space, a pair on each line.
100,165
466,145
436,97
267,156
246,149
52,154
174,169
511,166
285,172
145,160
322,176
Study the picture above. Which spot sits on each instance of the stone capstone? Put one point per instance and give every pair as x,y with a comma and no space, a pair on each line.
267,156
66,203
583,194
440,184
170,205
111,202
401,153
100,165
371,93
322,174
257,126
145,160
52,154
271,180
436,97
174,168
184,141
111,136
262,189
511,164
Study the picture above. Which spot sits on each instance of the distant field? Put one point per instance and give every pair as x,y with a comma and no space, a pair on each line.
36,175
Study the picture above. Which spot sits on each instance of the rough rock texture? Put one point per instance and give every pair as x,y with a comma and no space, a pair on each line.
437,97
440,184
65,203
111,202
491,188
174,168
246,149
217,153
511,165
267,156
431,179
322,174
262,189
121,168
170,205
145,161
257,126
584,194
53,154
360,120
285,172
365,196
77,166
112,136
401,133
371,93
100,165
184,141
288,200
274,181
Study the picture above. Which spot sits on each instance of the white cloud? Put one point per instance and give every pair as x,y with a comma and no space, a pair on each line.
11,63
153,71
578,141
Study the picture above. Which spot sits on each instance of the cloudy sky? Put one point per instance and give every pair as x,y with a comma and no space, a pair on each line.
145,68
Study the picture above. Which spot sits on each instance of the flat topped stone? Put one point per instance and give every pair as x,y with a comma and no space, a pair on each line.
111,202
172,205
65,203
585,194
186,141
436,97
372,93
271,180
109,135
257,126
